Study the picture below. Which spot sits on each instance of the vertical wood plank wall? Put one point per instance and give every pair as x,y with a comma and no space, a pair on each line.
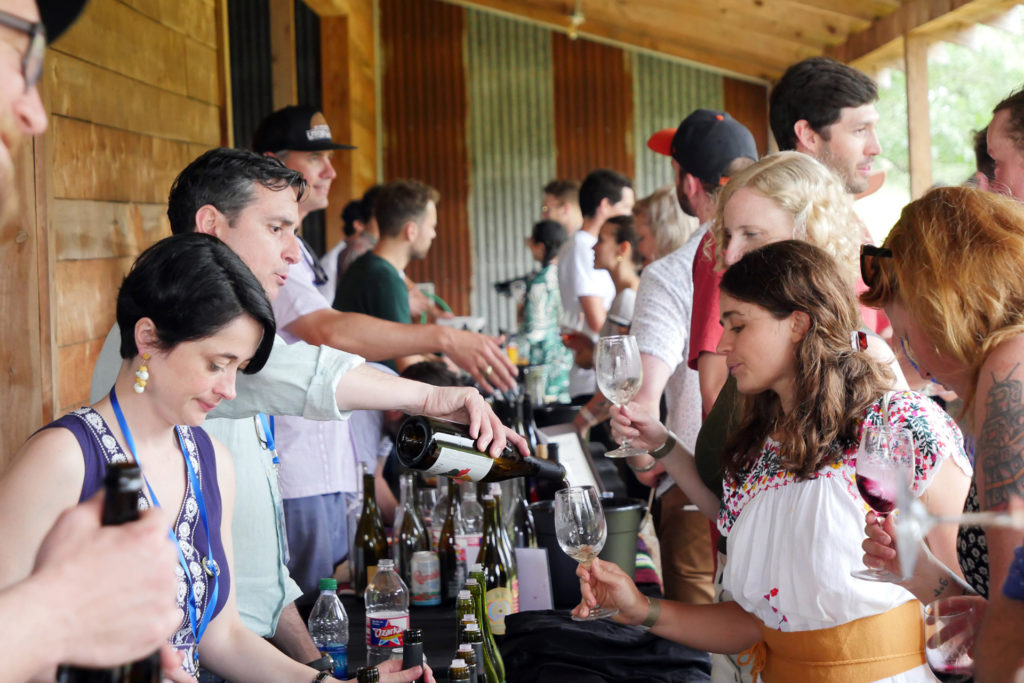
593,107
424,117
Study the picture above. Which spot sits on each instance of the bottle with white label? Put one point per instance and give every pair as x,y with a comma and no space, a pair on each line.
387,614
440,447
498,576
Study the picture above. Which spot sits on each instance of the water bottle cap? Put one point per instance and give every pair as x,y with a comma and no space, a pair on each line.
465,595
328,584
384,565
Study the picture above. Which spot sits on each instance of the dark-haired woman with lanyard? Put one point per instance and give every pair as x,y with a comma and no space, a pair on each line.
192,316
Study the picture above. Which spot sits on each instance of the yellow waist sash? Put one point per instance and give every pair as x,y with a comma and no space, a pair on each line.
860,651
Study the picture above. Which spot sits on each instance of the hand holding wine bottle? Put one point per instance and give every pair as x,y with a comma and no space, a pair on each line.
468,407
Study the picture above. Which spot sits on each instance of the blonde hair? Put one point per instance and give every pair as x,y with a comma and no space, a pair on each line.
958,269
669,226
817,200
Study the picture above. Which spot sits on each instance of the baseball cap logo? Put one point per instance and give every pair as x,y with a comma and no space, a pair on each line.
318,128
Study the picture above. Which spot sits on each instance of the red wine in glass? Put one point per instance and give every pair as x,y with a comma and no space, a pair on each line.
883,465
882,499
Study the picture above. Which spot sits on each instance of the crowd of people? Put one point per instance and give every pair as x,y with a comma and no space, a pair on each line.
774,334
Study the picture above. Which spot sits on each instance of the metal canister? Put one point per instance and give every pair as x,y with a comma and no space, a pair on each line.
426,578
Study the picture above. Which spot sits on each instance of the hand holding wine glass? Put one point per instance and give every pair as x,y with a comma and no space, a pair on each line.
950,628
619,376
581,532
884,460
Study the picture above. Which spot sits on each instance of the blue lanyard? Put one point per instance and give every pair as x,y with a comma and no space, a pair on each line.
209,564
268,434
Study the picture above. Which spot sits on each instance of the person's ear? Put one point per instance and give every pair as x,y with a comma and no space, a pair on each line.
410,231
146,338
808,140
800,324
209,220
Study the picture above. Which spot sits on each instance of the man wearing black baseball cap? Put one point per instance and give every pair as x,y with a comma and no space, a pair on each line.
706,148
300,137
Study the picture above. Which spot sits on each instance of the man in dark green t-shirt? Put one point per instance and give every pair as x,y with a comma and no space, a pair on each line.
406,213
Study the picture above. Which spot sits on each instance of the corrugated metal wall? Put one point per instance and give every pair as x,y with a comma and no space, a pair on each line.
423,97
511,152
664,93
593,107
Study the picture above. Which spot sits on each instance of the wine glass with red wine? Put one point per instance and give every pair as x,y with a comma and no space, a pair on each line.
884,460
949,633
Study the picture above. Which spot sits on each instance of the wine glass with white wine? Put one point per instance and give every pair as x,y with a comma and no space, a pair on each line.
581,532
619,375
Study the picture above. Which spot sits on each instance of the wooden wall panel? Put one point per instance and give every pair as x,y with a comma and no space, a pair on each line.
424,105
150,110
135,91
748,104
96,162
116,37
337,108
593,107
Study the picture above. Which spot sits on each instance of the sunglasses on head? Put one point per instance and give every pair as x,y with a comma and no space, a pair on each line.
869,255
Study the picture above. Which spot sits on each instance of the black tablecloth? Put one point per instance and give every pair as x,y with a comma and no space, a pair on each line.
548,646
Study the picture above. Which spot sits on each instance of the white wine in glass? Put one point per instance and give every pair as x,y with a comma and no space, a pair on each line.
581,532
619,376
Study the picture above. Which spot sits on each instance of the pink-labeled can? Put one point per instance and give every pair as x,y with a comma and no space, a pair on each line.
426,578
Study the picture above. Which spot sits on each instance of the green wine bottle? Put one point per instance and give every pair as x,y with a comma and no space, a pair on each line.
371,543
494,664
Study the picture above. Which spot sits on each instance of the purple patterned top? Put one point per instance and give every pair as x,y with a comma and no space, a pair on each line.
99,447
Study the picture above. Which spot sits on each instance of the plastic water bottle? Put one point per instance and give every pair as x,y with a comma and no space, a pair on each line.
387,614
328,626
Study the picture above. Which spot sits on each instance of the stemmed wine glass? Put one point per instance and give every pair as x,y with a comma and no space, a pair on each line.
883,463
948,639
619,375
581,532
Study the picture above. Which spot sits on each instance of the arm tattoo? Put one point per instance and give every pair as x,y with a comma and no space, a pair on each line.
943,585
1000,454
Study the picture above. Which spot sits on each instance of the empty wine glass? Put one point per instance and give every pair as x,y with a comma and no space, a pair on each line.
883,462
581,532
619,375
949,632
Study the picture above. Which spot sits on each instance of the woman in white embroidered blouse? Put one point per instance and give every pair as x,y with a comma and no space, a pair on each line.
791,508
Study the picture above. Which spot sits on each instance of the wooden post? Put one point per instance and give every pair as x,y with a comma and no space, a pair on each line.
919,136
282,53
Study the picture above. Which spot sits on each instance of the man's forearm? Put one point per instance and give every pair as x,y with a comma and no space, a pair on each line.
292,638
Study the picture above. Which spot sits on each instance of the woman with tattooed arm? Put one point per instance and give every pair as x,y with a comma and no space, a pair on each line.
951,279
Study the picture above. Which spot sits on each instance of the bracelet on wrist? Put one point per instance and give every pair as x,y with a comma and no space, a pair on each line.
653,612
665,448
645,468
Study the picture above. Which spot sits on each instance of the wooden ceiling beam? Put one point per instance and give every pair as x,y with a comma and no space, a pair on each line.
330,8
742,67
929,16
867,10
808,27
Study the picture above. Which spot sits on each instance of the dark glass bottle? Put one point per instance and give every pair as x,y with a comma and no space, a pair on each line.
122,482
412,650
413,536
453,569
440,447
368,674
498,575
507,549
494,664
371,544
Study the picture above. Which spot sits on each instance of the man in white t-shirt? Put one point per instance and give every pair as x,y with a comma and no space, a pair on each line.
587,292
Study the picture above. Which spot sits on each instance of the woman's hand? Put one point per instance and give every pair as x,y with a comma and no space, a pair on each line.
643,431
170,662
466,405
391,672
880,545
605,584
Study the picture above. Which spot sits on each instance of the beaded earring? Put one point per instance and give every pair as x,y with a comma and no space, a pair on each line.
141,375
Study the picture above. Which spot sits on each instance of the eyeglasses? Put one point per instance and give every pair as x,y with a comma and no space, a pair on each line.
869,255
32,60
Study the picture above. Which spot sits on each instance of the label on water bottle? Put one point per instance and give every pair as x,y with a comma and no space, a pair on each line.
467,546
339,653
385,629
499,603
460,463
